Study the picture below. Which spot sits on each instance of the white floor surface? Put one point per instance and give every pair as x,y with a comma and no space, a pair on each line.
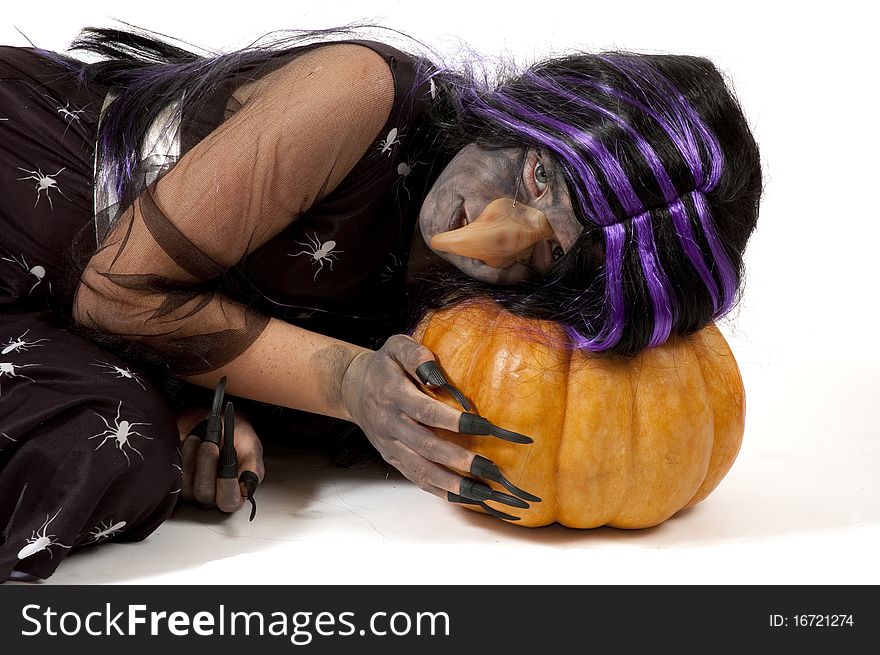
800,505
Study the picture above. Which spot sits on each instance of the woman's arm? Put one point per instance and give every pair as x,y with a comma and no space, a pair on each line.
156,275
155,278
289,366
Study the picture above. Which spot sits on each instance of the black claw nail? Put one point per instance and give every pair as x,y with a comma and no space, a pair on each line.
455,498
486,468
431,375
477,490
250,481
459,396
212,430
498,514
227,464
475,424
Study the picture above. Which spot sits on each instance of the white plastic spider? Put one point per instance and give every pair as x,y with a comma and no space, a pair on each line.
40,540
44,183
37,271
105,531
120,433
122,373
19,344
8,368
8,437
321,252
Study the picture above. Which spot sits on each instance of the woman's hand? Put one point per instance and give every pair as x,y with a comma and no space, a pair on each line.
380,394
200,482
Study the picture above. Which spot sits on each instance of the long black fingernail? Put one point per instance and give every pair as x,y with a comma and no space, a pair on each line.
431,375
477,490
227,463
486,468
250,481
475,424
455,498
212,430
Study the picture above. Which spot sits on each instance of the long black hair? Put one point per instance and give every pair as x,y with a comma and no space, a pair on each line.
657,156
664,176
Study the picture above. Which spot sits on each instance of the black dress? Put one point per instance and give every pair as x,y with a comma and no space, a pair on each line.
89,448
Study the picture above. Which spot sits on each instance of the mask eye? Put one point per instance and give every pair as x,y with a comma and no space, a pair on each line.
558,253
536,175
540,175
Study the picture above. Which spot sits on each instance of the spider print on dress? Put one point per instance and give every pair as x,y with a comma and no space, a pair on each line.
105,531
390,270
120,433
37,271
393,139
321,252
19,344
121,372
68,114
41,541
44,183
8,368
404,168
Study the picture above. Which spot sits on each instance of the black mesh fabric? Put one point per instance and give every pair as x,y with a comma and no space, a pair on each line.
295,196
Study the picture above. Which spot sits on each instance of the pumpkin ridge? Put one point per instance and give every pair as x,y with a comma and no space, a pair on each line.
580,418
557,497
711,404
635,371
731,439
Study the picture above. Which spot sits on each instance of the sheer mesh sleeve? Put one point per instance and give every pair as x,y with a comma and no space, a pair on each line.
299,132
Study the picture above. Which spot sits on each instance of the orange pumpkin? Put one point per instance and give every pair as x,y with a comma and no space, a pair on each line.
624,443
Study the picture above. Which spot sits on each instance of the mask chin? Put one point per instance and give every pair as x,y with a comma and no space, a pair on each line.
481,271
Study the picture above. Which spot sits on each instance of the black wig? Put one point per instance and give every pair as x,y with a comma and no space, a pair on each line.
663,171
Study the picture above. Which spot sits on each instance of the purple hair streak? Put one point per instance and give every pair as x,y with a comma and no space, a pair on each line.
681,123
677,209
641,165
662,299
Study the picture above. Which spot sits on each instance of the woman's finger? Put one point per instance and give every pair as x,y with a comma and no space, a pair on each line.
430,446
417,469
231,494
434,448
228,497
205,481
412,355
188,453
251,459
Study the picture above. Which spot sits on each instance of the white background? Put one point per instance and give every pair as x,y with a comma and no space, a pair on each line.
802,502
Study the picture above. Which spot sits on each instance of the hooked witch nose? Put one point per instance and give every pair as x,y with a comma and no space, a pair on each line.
501,233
